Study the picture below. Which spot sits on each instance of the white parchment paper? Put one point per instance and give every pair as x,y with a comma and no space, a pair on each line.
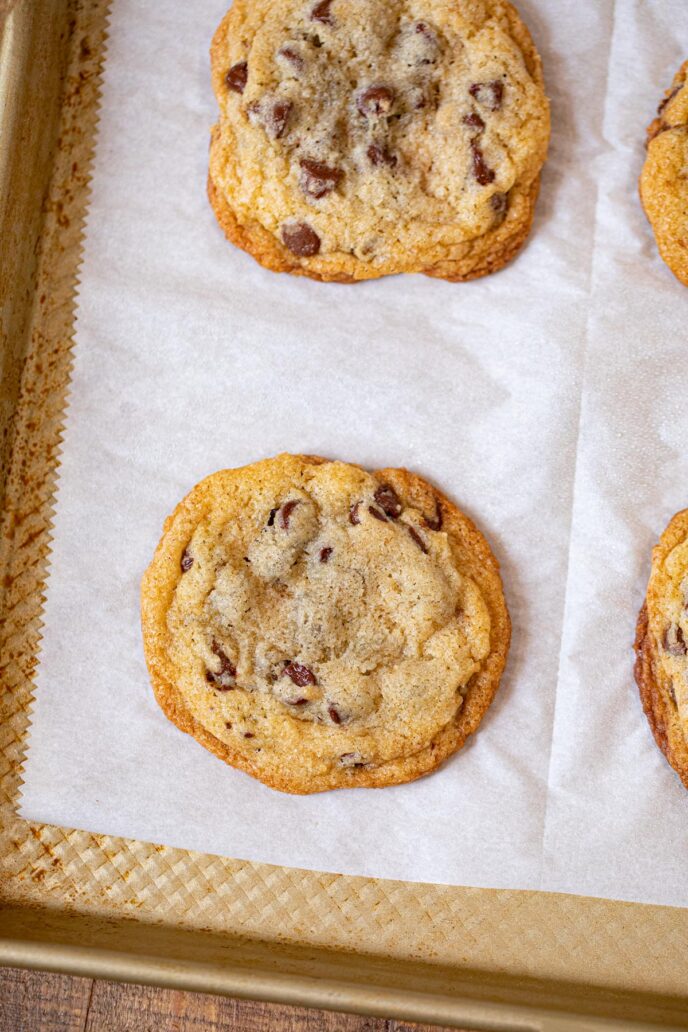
547,400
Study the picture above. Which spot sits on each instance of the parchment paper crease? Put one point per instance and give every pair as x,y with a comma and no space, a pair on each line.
547,400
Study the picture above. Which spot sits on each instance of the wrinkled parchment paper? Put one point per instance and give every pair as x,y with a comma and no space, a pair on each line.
548,401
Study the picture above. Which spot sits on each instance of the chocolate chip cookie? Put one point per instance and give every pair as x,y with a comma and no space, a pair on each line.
360,138
664,179
661,645
319,626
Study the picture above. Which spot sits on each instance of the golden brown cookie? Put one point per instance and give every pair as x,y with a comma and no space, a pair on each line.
664,179
319,626
661,645
361,138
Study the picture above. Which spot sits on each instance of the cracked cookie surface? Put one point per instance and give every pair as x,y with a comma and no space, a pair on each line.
359,138
661,645
664,178
319,626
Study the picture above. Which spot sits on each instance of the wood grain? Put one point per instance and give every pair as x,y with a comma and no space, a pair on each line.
32,1001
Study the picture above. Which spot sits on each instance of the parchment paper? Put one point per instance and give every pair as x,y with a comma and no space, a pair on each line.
546,400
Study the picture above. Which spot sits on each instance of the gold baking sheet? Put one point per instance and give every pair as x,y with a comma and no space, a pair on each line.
118,908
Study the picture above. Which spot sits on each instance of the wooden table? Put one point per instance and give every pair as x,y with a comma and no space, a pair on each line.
34,1001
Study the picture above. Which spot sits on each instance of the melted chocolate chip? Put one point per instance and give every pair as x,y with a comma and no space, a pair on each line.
276,118
377,514
674,642
418,539
481,170
301,239
187,561
226,672
499,204
378,154
318,179
334,715
321,12
290,55
218,685
474,121
434,522
228,725
226,666
375,100
237,77
354,518
271,517
388,500
489,94
249,734
325,554
351,759
285,513
301,675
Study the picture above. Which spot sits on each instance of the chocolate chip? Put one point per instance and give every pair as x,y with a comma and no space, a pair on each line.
378,154
285,513
187,561
300,239
299,674
290,55
499,203
237,77
276,118
228,725
334,715
418,539
423,30
388,500
297,702
325,554
377,514
481,170
489,94
375,100
318,179
434,522
474,121
354,518
673,642
249,734
321,12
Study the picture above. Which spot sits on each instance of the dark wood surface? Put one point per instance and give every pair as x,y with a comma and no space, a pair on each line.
34,1001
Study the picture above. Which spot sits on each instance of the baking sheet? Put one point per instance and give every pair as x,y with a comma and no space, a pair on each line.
190,357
